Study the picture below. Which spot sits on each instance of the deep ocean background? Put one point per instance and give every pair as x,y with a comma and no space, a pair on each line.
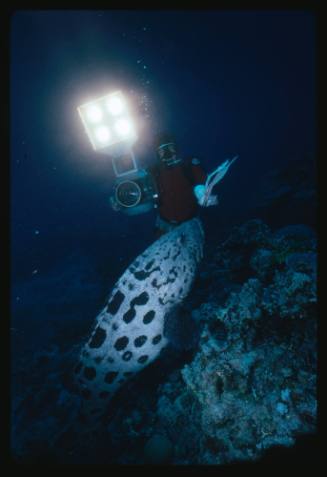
224,82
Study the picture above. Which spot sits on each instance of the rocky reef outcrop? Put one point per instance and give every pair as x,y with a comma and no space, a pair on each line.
244,384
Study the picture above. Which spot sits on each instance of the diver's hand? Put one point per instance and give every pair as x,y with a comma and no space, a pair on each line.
200,194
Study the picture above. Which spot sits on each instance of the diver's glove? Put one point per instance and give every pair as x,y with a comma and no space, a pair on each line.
203,192
200,194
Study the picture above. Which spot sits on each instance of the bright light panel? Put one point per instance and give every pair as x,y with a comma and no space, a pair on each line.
115,105
94,114
123,127
103,135
106,121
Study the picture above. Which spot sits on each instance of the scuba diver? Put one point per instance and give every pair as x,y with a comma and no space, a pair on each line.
175,186
182,185
175,180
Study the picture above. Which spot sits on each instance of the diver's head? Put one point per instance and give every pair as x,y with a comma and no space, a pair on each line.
167,150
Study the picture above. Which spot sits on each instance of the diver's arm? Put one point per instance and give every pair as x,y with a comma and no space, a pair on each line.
200,178
200,194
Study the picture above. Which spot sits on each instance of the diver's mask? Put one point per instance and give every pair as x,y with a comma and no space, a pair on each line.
167,154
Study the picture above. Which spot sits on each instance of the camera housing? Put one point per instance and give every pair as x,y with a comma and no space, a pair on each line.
135,193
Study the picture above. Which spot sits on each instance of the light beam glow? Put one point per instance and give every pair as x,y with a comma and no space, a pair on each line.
102,134
123,128
107,121
94,114
115,105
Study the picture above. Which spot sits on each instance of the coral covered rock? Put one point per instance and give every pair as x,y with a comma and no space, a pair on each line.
257,350
246,384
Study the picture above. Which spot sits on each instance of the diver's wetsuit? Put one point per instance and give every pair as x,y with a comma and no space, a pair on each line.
177,202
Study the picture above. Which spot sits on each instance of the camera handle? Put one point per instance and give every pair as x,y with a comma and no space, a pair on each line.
124,164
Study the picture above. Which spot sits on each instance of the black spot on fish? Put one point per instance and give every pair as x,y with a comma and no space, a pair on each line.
167,256
136,263
161,301
127,355
156,339
140,340
177,254
148,317
98,338
131,286
78,368
86,393
173,271
141,299
121,343
104,394
149,265
110,359
89,373
98,359
142,275
115,326
111,376
115,302
154,283
184,268
129,315
143,359
180,291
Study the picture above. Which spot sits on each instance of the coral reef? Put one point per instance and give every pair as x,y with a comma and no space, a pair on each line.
246,385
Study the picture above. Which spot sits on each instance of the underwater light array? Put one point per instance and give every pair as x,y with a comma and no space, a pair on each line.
106,121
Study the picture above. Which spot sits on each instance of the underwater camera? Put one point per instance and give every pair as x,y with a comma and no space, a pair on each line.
134,191
110,129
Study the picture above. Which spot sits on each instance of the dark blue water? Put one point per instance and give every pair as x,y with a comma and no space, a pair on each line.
224,82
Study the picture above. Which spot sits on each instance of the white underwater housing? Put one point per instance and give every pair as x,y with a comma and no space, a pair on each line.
110,129
135,193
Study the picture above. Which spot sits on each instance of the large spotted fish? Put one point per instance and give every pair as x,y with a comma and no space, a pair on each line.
129,331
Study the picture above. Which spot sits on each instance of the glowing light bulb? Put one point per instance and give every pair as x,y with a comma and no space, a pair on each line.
123,127
102,134
115,105
94,114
